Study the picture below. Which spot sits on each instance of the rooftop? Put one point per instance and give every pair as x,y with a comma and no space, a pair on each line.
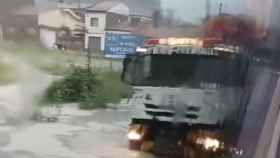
110,6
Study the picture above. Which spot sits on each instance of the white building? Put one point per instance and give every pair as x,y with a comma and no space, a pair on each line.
102,18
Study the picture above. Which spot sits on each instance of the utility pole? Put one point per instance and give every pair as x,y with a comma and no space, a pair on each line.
220,8
208,8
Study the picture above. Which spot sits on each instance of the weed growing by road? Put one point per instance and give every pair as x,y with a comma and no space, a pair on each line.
90,89
7,73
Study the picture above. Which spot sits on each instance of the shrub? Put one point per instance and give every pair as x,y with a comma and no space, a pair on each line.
91,90
74,87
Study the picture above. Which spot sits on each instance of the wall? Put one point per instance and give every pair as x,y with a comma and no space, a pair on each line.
47,37
115,20
95,31
102,22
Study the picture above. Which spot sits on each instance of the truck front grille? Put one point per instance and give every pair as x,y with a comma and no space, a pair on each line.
151,106
160,114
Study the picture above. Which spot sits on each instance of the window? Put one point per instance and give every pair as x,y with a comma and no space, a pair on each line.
94,22
135,21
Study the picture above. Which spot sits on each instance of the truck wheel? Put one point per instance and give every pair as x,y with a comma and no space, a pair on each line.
134,145
189,152
147,146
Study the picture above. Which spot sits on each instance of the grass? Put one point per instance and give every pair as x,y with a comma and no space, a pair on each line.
92,90
54,61
50,61
7,73
113,89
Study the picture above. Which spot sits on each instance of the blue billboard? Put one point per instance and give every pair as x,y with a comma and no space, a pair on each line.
119,45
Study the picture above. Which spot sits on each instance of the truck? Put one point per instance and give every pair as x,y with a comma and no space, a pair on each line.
189,97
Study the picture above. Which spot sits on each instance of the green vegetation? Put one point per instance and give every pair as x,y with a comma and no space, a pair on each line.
92,90
112,89
7,73
50,61
55,62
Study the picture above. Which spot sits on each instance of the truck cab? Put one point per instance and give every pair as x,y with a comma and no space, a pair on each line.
188,97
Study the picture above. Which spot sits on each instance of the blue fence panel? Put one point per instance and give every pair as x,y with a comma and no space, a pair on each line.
119,45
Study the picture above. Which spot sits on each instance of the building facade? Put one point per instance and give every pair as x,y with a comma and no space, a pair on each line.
102,18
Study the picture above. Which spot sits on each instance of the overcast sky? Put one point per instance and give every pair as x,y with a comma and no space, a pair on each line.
194,10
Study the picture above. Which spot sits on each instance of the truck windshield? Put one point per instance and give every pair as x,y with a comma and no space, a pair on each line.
195,71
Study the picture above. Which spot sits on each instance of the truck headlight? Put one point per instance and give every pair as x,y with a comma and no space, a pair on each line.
134,135
209,143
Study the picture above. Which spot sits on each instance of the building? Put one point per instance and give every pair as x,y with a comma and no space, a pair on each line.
61,26
142,11
104,17
72,24
109,25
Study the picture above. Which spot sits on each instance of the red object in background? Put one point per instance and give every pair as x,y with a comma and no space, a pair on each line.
210,42
152,42
236,30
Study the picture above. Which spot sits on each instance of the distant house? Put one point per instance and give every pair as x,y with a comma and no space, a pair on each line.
102,18
61,27
77,25
142,11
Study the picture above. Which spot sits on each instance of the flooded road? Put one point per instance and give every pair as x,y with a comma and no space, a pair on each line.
77,134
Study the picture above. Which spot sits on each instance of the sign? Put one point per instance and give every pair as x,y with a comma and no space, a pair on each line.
119,45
